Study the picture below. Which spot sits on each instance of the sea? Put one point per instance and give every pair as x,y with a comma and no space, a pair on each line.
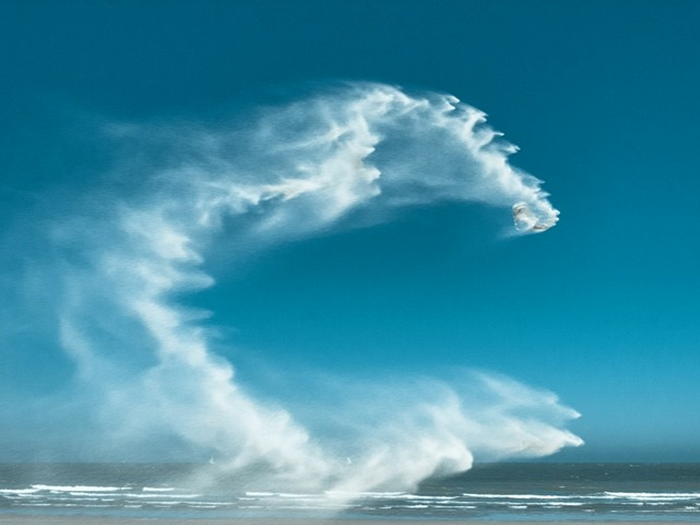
554,492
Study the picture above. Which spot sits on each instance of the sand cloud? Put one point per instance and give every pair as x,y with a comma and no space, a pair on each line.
284,174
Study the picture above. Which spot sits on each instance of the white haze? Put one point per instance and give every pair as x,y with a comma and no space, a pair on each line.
289,172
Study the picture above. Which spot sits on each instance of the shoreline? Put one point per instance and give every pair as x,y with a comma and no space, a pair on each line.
14,519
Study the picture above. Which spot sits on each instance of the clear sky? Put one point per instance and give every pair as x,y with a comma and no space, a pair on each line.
600,96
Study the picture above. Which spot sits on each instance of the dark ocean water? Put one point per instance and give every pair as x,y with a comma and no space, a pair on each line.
520,491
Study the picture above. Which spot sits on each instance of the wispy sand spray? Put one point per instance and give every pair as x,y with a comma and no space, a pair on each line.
288,173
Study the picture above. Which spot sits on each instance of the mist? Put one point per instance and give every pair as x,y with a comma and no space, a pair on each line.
118,263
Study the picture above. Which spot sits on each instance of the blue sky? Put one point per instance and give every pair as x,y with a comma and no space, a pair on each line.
601,97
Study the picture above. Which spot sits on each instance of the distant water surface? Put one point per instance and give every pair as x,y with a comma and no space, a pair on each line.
512,491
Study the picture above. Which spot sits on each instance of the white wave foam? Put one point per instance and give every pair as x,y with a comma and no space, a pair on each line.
363,494
654,496
514,496
77,488
19,491
429,498
139,495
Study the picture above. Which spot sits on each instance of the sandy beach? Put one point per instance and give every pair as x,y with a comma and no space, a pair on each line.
99,520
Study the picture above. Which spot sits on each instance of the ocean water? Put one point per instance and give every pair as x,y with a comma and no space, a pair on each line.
513,491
